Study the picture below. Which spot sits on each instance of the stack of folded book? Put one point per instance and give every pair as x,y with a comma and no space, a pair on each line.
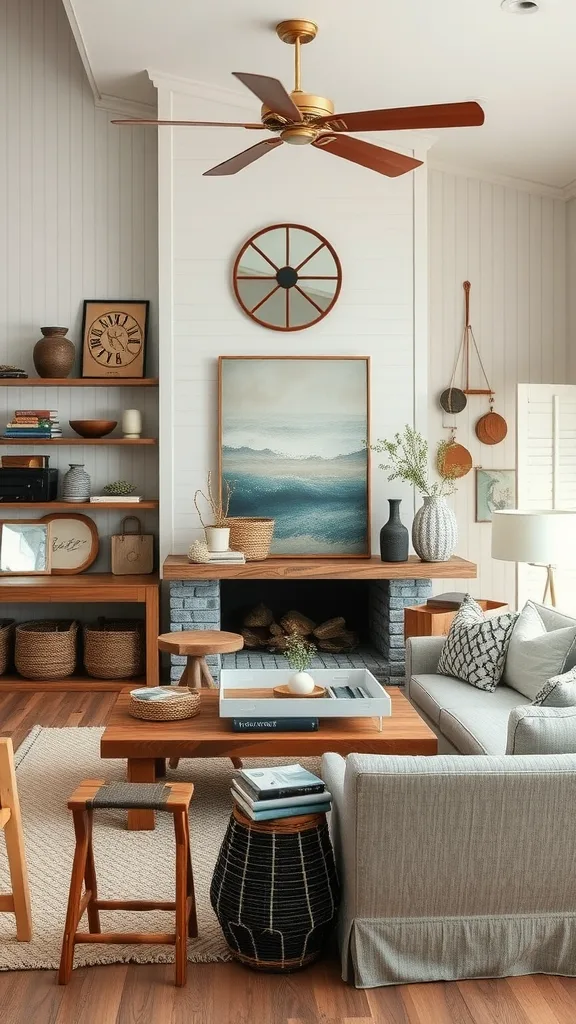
34,424
223,557
283,792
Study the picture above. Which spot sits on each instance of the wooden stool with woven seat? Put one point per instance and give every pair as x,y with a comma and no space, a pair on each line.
171,797
194,645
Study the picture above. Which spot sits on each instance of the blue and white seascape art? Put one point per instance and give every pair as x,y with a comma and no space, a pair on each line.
293,447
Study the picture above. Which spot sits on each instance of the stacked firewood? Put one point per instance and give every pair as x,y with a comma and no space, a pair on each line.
261,631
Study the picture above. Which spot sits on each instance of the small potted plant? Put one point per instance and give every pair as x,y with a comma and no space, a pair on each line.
217,533
299,653
434,530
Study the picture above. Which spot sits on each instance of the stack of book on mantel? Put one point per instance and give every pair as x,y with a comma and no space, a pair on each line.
34,424
226,557
286,791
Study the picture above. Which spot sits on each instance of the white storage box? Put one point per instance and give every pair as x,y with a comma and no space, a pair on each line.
249,692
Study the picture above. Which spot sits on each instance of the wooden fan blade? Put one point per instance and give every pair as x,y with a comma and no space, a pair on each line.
248,156
438,115
193,124
385,161
271,93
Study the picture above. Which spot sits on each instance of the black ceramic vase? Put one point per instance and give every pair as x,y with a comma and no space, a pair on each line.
394,536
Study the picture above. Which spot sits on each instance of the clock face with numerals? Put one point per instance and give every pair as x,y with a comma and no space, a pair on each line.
114,337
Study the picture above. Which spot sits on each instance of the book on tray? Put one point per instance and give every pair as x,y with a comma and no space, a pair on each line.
274,725
279,782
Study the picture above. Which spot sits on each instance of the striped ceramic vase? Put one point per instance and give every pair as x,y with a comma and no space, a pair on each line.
434,531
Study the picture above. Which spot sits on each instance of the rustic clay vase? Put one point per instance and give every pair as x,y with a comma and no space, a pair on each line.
54,354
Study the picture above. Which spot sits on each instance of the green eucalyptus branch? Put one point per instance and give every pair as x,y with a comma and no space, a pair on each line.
299,652
408,460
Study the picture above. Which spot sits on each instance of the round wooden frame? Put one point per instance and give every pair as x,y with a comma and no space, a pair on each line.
320,313
93,554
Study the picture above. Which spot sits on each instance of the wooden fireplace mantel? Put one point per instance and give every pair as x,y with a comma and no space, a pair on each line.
177,567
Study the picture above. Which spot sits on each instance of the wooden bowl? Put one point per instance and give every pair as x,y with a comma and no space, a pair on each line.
93,428
284,691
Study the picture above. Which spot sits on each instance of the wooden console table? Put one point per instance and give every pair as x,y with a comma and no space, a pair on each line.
87,588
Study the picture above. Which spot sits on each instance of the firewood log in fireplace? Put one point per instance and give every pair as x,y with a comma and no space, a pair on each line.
295,622
261,631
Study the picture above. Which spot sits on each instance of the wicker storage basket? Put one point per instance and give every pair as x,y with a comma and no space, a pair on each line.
114,649
252,536
46,649
6,639
185,705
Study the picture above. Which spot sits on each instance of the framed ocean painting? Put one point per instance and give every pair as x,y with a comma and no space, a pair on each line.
292,446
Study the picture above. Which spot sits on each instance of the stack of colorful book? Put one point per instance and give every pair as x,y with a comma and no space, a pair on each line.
286,791
34,424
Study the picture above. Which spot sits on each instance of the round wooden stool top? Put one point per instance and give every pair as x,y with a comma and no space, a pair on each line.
197,642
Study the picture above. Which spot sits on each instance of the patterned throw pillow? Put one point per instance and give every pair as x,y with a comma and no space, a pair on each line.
558,692
475,648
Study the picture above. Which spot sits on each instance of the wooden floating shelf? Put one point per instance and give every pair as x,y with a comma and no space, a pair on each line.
177,567
13,683
92,506
67,441
79,382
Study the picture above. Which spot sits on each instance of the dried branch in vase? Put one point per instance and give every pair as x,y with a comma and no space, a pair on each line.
219,505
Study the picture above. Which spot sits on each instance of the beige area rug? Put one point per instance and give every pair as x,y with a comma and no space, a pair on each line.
130,865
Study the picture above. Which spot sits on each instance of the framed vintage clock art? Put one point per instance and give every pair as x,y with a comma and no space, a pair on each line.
114,337
287,277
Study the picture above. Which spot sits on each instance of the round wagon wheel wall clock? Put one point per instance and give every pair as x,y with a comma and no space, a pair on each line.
287,277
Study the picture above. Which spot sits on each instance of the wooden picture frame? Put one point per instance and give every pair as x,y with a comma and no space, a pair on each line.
114,337
38,523
79,551
317,481
495,490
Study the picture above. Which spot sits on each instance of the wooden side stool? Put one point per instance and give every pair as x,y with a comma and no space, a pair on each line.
171,797
16,902
194,645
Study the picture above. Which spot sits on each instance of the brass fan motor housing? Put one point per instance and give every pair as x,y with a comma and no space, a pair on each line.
310,106
296,28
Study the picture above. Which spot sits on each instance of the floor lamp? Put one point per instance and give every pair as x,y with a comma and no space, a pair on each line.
542,537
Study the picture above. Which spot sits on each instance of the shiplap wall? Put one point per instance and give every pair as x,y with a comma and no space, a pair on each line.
79,220
571,279
371,222
511,245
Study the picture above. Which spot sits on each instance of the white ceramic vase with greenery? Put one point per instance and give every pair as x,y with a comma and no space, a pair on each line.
434,529
299,653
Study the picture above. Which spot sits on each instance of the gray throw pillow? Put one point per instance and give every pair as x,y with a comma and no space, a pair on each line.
537,654
558,692
476,647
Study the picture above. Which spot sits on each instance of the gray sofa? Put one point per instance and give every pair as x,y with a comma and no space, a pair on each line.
471,721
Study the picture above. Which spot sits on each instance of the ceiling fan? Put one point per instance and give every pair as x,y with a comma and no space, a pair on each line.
300,118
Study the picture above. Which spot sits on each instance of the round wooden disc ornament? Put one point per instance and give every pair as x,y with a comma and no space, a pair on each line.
491,428
455,460
453,400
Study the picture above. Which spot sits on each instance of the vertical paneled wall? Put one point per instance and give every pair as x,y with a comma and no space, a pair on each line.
511,245
571,282
79,220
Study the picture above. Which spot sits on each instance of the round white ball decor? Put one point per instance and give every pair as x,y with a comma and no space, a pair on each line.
301,682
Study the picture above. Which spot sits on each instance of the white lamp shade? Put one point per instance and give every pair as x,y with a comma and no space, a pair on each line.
544,537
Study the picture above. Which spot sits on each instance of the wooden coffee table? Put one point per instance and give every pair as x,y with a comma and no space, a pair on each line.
146,745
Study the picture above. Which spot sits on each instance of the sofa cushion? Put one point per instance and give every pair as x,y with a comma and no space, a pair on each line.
475,648
537,730
535,653
558,692
474,732
432,693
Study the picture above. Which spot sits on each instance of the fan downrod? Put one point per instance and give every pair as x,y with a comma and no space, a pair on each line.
295,28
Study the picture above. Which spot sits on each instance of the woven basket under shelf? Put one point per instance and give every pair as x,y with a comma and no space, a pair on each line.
114,648
6,640
46,649
183,706
252,536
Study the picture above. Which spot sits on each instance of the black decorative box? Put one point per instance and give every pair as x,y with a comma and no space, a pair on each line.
28,485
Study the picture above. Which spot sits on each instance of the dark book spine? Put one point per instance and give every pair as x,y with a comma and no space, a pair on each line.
278,794
274,724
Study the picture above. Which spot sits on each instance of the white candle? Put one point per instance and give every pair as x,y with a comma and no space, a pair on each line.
132,423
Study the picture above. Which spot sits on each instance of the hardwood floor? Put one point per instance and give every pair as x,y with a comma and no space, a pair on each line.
230,994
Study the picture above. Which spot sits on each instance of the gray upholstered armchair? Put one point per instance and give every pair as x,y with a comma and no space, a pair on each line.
454,866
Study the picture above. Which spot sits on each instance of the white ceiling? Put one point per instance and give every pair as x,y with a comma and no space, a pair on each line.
370,53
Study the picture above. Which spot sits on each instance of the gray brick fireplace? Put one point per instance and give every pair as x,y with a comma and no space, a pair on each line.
200,604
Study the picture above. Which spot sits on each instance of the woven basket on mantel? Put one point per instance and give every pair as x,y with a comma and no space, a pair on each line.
252,536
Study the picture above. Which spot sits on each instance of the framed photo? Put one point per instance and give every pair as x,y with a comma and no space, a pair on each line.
495,491
74,542
293,436
114,333
25,548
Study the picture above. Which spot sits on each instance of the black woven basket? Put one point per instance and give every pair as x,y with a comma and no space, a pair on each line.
275,891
